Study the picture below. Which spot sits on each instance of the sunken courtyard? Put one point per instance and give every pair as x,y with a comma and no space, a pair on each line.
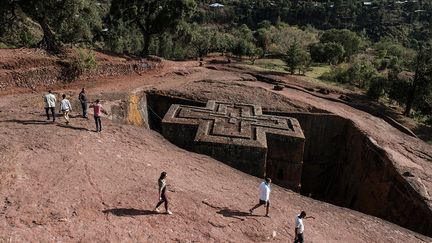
316,153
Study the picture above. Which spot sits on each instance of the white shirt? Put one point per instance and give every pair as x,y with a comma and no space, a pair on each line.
264,191
299,224
65,105
50,100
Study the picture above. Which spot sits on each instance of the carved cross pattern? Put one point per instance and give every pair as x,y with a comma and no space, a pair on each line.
228,123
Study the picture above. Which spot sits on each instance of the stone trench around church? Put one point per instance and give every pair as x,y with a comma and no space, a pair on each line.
320,155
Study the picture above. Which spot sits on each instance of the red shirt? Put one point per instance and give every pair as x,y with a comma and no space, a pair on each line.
97,109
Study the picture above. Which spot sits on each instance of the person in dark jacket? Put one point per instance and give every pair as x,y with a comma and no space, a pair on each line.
83,99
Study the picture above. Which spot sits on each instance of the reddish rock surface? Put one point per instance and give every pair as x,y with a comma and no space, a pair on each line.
60,183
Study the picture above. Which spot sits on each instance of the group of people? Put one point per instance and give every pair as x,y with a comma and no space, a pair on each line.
264,200
66,107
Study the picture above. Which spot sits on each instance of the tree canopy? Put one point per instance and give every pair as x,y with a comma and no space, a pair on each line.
151,17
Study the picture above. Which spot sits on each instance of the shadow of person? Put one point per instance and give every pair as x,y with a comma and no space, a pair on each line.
58,114
76,116
30,122
226,212
72,127
122,212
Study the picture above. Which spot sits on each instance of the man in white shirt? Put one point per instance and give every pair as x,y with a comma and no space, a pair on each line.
50,103
264,190
65,107
299,227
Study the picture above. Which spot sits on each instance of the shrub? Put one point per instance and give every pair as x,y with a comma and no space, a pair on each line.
3,45
377,87
85,61
338,74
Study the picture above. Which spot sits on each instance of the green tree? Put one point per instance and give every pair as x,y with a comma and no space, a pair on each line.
60,20
254,54
243,48
262,37
350,41
331,52
361,70
296,58
399,83
377,87
393,55
152,17
334,52
222,42
244,41
201,40
282,36
421,85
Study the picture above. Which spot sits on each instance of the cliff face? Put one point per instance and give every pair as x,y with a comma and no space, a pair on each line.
345,167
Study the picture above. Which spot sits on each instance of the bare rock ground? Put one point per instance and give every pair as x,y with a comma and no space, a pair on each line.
71,184
68,183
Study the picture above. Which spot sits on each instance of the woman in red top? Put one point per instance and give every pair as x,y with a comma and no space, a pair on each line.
97,110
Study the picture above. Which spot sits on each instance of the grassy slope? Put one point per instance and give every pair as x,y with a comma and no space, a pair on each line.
313,75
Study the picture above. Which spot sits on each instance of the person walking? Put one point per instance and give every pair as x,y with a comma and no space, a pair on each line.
264,199
65,108
83,99
299,227
162,193
50,103
97,112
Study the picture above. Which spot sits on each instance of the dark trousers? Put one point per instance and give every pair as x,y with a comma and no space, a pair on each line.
98,123
164,199
84,108
52,111
299,238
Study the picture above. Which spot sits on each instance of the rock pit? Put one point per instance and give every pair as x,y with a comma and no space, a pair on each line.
341,165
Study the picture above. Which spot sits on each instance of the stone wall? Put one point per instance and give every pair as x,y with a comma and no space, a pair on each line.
285,160
240,136
158,104
62,72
